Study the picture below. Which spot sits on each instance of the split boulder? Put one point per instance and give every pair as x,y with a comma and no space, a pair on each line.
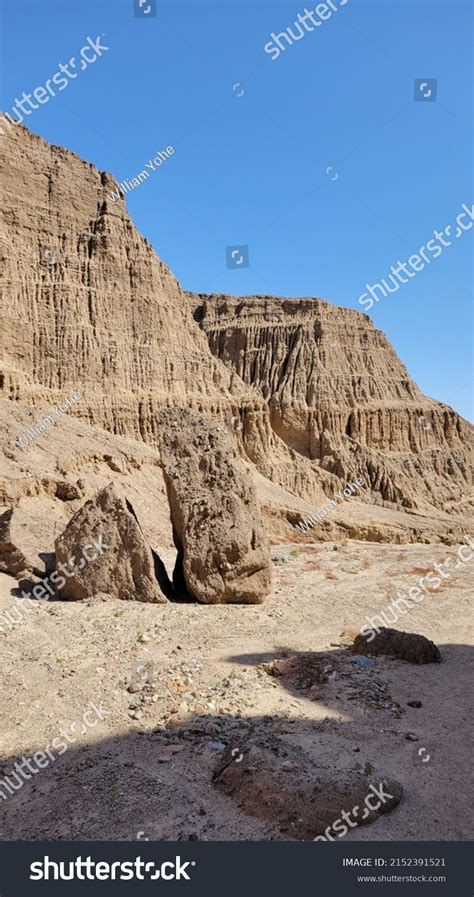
102,553
218,531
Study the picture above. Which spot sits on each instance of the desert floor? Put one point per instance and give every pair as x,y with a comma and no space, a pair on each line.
203,680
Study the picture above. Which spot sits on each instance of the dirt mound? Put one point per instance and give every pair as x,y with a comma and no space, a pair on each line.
403,645
283,786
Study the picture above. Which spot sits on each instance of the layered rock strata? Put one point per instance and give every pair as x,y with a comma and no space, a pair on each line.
314,394
340,398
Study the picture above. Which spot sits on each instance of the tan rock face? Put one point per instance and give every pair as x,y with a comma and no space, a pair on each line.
217,525
102,553
89,306
339,396
316,394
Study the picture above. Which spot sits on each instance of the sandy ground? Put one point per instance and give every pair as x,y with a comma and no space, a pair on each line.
144,771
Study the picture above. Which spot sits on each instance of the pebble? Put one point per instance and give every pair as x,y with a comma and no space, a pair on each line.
143,638
211,729
410,736
134,687
216,746
414,704
173,748
363,661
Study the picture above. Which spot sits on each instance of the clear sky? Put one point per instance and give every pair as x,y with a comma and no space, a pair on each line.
325,166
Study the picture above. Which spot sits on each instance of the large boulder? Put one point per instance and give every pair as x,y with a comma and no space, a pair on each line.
217,526
102,553
24,539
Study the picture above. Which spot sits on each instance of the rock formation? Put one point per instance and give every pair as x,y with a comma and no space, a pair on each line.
339,396
315,395
217,526
102,553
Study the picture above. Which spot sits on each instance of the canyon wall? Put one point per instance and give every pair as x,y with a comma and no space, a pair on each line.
339,396
313,393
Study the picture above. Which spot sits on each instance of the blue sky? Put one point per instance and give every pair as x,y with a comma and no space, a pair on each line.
251,169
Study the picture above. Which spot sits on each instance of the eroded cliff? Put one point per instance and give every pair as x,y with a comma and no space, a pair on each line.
313,393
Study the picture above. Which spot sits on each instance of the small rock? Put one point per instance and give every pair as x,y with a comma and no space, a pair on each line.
134,687
8,770
287,766
172,723
216,746
364,661
143,638
414,704
211,729
410,736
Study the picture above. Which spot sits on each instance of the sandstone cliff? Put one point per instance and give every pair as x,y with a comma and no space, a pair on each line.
87,305
314,394
339,396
